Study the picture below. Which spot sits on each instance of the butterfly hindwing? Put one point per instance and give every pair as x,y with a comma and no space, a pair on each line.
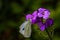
28,29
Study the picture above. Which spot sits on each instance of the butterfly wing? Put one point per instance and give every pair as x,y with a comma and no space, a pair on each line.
22,28
25,29
28,29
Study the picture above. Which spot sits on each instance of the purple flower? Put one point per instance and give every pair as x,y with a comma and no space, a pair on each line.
32,17
41,26
29,17
35,14
38,16
40,13
49,22
43,13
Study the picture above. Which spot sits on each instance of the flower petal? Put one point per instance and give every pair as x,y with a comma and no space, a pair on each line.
41,26
34,14
40,15
43,13
41,9
49,22
28,16
46,14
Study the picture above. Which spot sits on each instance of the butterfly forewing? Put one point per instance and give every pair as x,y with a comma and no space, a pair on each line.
22,27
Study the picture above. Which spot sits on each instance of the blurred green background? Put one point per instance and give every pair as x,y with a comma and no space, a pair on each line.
12,15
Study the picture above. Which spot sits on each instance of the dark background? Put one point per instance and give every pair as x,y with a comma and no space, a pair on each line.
12,15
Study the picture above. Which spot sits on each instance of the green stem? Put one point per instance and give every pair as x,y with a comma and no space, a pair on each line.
50,38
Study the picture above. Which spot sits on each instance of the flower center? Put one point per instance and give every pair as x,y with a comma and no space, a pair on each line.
42,13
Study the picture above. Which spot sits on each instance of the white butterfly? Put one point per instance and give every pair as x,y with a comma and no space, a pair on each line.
25,29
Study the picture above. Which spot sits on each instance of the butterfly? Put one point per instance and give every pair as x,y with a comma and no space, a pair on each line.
25,29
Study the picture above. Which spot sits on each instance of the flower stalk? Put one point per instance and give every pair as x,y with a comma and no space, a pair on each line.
50,38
